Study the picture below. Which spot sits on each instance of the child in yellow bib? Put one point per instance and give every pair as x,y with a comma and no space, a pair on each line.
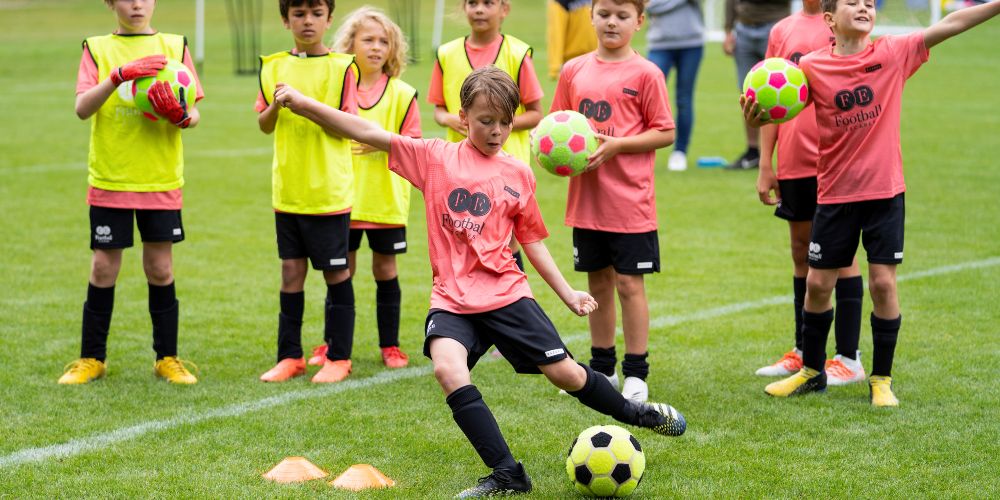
486,45
312,189
381,198
135,172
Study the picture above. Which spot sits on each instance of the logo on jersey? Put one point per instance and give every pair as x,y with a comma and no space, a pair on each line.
513,193
859,97
599,111
873,68
102,234
461,200
631,92
430,326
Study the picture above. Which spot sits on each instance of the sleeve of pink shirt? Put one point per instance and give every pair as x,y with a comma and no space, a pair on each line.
560,100
772,44
408,157
435,92
189,62
411,122
260,105
529,226
349,96
655,103
86,76
911,50
531,89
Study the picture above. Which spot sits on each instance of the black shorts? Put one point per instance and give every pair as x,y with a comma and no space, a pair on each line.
837,228
630,253
321,238
386,240
798,200
112,227
521,331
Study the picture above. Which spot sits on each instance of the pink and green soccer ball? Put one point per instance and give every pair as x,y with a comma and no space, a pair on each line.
175,73
779,86
562,141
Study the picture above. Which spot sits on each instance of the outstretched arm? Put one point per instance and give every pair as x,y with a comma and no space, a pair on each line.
581,303
332,120
959,21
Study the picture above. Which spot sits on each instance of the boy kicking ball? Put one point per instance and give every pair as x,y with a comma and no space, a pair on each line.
475,198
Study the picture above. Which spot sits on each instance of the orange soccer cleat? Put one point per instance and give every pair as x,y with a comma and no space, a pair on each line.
392,357
286,369
333,371
318,357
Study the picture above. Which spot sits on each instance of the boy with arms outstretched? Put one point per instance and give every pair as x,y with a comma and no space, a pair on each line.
312,191
475,198
794,189
136,170
615,239
856,86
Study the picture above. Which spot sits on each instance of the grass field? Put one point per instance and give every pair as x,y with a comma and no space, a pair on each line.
720,308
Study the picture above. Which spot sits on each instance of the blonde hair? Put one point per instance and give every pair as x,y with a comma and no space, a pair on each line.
395,62
493,83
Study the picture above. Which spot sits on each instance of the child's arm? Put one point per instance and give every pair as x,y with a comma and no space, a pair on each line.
90,101
445,119
530,118
581,303
332,120
649,140
268,118
766,180
959,21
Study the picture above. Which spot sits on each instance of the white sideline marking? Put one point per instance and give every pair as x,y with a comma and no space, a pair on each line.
78,446
79,165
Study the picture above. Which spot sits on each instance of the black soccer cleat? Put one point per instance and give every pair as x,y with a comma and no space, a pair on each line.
660,418
500,482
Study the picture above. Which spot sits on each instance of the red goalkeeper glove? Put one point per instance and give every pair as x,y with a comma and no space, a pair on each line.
167,106
146,66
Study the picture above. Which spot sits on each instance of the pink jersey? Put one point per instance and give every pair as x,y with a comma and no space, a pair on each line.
857,101
527,80
621,99
473,203
798,140
86,79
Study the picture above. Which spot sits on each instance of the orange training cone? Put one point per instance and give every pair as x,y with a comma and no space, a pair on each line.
361,476
294,470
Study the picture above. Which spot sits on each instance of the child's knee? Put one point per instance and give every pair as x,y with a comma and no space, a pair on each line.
565,374
630,285
882,287
451,374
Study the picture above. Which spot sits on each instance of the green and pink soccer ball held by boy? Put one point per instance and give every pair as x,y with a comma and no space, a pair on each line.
779,87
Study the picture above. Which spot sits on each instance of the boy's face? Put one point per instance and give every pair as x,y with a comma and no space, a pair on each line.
134,15
488,128
371,46
615,24
308,23
486,16
853,17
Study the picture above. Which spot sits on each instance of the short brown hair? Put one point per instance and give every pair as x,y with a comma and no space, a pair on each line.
640,5
495,85
828,6
284,5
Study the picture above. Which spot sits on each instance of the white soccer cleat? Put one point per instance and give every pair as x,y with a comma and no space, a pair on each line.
790,363
678,162
635,389
843,371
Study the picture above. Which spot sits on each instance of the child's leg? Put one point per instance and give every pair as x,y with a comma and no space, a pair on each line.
388,298
470,412
635,323
104,267
602,321
158,264
292,302
850,292
799,232
885,318
817,316
339,325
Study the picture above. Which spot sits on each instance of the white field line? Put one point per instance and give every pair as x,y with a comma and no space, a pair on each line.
79,165
81,445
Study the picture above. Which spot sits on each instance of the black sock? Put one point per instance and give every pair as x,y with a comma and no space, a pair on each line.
519,260
339,327
603,360
290,325
884,335
753,152
388,297
815,330
799,288
847,325
599,394
635,365
96,322
480,427
163,311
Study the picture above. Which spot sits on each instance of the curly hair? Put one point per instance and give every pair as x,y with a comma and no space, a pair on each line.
395,62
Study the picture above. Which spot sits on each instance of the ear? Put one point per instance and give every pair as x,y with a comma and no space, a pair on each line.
504,9
284,21
464,118
828,17
642,18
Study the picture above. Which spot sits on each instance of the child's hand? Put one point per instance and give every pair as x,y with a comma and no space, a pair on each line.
360,148
767,182
752,113
169,107
610,146
581,303
287,97
455,123
146,66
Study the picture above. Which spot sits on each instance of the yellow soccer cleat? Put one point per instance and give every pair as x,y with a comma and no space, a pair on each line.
803,381
173,370
881,391
82,371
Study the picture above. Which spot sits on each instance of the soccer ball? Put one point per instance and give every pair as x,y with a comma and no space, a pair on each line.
175,73
779,86
605,461
562,141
